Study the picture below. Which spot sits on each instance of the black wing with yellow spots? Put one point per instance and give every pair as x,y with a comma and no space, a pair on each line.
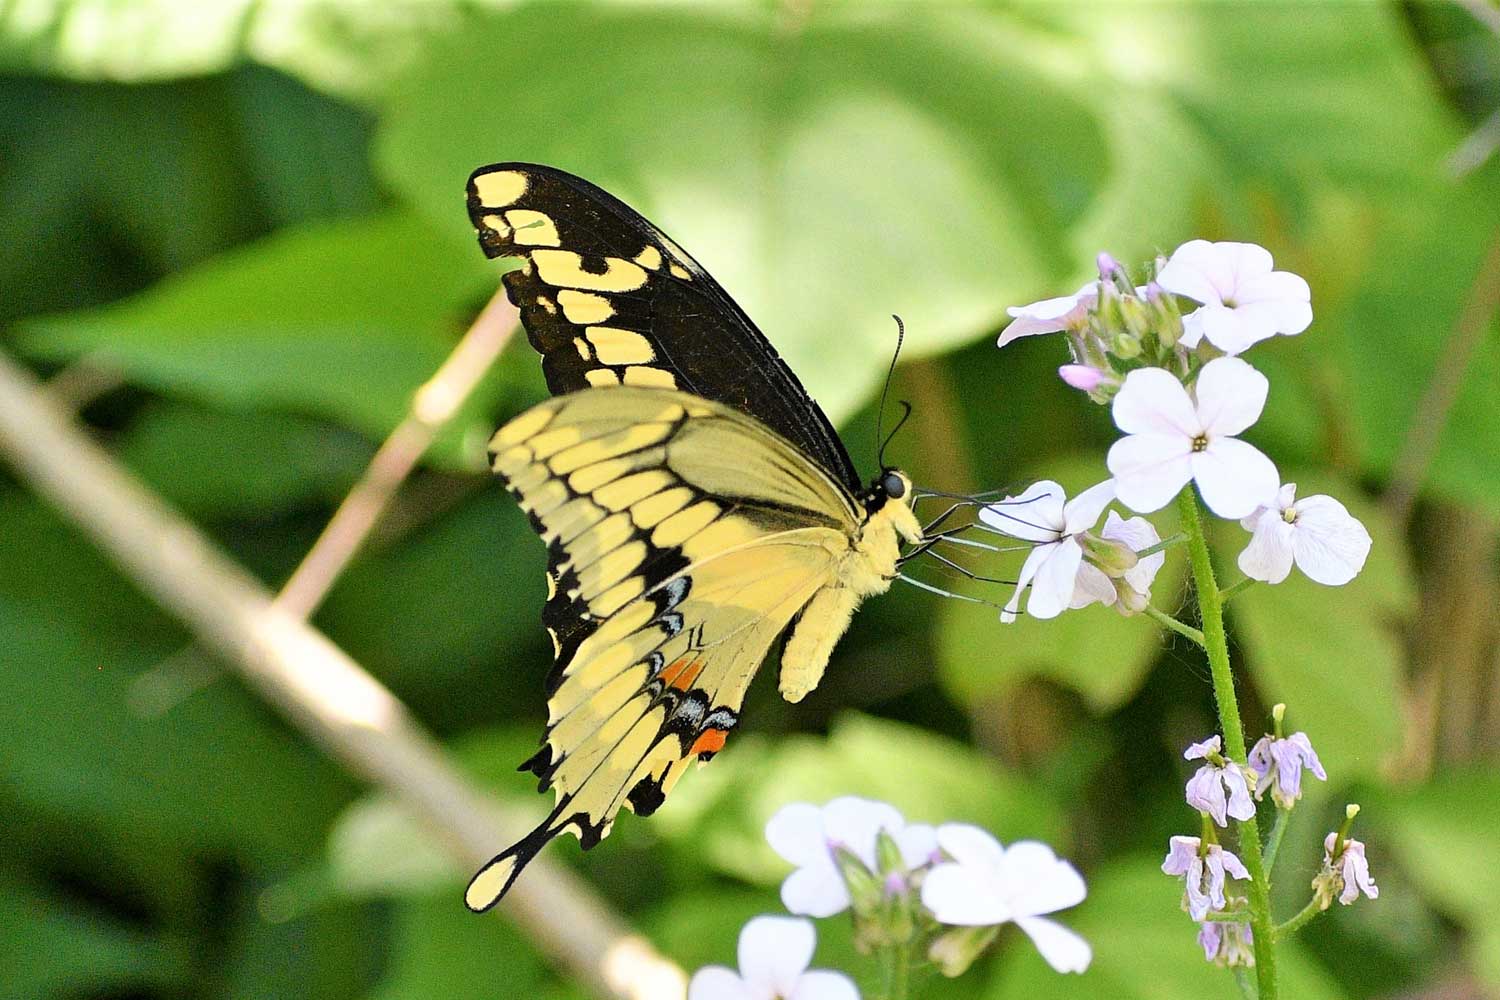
608,299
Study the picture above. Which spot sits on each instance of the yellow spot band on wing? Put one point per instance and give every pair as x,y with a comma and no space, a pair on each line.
600,377
584,308
533,228
489,883
649,258
500,188
564,268
653,378
619,347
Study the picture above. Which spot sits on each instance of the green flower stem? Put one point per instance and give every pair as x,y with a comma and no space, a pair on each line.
1242,979
1234,588
1294,925
1216,643
1273,842
1164,544
897,962
1167,621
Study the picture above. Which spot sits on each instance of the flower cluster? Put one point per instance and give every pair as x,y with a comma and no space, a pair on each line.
945,890
1164,357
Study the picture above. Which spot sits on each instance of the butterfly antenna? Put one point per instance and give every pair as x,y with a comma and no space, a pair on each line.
880,442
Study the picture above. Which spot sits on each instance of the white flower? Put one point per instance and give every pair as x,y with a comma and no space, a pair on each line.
774,955
1278,765
1204,872
1214,781
1041,515
1174,438
1067,312
1131,592
1350,869
1244,301
987,884
806,835
1317,533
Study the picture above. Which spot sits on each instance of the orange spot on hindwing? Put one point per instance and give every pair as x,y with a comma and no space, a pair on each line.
710,741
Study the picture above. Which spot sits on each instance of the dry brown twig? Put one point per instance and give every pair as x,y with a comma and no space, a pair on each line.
316,684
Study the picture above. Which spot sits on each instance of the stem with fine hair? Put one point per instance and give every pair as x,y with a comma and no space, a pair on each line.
1216,644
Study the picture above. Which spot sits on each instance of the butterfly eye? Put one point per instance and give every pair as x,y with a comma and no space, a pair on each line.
894,485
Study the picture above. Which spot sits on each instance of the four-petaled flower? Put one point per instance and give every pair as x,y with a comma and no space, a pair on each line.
1278,764
807,835
1131,592
1218,787
1243,300
1174,438
774,954
1203,871
1317,533
1348,873
1041,515
1066,312
987,884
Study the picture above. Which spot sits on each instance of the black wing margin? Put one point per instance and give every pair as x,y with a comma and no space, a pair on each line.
608,299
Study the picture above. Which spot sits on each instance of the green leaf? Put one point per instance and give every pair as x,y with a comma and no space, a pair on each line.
440,949
1333,654
720,813
344,320
1144,948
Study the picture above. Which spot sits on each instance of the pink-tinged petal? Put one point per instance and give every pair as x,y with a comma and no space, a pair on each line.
1092,587
1205,793
1232,864
1225,328
796,833
1082,512
1240,805
958,895
1036,515
1038,880
1199,751
918,844
817,890
1153,401
1150,469
820,984
1052,588
1268,557
1231,396
1081,377
1181,853
1034,561
1330,544
714,982
1309,755
1233,477
774,951
970,845
1138,533
1197,271
1049,315
1063,949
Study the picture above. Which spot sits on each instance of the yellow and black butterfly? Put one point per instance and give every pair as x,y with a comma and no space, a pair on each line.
695,502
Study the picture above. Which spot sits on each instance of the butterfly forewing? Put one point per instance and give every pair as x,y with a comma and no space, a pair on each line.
608,299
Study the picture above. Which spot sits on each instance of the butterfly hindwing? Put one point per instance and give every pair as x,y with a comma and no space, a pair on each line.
608,299
684,539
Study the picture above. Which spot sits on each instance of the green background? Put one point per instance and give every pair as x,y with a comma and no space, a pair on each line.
244,223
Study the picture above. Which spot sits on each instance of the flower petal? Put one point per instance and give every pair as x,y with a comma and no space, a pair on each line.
1038,881
1034,516
796,833
1034,560
1268,557
853,822
918,843
1082,512
964,897
1150,469
714,982
1049,315
1234,477
1092,587
1205,793
1231,396
1138,533
1330,544
821,984
1227,329
1200,750
1231,863
774,951
1197,271
1181,852
1063,949
816,890
1153,401
1052,588
970,845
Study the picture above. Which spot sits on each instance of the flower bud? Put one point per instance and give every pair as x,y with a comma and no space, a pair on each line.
1082,377
1164,316
1112,556
1138,320
1126,346
866,892
1128,600
888,858
955,949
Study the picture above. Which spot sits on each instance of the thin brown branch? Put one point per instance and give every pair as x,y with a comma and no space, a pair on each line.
315,684
1431,415
432,407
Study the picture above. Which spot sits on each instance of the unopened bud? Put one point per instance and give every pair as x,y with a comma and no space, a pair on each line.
1165,317
1137,319
1083,377
1278,718
888,855
1112,556
1125,346
955,950
1128,600
865,890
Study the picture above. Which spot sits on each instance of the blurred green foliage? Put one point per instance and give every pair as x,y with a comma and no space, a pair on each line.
251,216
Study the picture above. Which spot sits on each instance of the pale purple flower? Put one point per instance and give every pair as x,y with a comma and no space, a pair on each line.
1243,300
1085,378
1203,871
1352,869
1218,788
774,954
1042,514
1227,944
1317,533
1175,438
1278,765
987,884
1131,592
806,835
1067,312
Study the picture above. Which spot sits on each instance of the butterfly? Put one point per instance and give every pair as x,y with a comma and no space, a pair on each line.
696,504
